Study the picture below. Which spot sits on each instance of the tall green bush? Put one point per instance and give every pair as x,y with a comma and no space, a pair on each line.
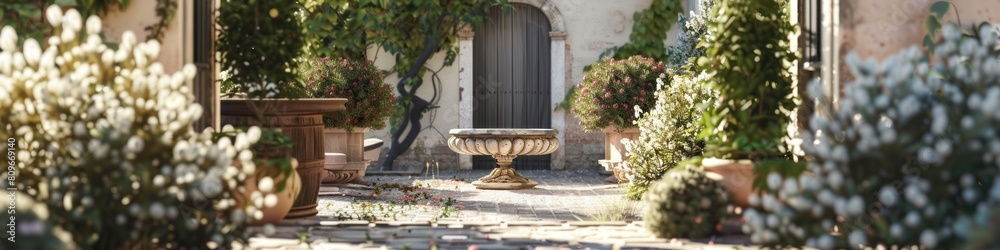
258,44
749,58
669,131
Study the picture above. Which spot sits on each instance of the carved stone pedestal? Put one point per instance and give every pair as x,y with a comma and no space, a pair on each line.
504,145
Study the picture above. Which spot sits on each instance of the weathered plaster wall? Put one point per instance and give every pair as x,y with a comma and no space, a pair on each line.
879,29
591,28
140,14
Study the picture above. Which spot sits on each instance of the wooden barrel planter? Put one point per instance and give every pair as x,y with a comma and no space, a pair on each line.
302,120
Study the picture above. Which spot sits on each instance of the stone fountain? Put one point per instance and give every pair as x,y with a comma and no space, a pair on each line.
503,145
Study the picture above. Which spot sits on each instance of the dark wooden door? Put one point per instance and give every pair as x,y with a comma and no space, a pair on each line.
512,85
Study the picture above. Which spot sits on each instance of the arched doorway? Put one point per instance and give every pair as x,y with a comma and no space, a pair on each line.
511,76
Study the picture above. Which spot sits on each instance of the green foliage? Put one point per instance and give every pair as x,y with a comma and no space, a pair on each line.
933,22
411,31
907,157
25,16
694,29
105,142
258,44
669,132
684,203
332,30
369,99
614,90
649,31
165,9
749,59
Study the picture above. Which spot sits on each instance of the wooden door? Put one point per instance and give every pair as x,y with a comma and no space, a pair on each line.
511,64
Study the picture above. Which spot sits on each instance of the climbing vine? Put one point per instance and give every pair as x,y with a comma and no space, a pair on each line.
165,9
649,32
411,31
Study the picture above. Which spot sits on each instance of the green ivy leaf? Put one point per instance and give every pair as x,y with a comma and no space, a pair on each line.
939,9
932,25
928,42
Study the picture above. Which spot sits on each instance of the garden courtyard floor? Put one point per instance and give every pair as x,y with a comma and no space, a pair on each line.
567,210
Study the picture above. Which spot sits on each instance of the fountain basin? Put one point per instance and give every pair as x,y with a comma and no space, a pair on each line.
504,145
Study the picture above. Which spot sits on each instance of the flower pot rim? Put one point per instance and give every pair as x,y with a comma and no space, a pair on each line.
356,129
302,106
620,130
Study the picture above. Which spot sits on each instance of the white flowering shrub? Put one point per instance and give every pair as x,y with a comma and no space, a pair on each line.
669,131
105,142
909,158
684,203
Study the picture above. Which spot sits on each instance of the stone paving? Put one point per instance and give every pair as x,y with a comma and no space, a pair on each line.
558,214
559,196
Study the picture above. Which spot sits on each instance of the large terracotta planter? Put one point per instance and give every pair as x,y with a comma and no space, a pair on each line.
351,144
735,175
614,151
302,120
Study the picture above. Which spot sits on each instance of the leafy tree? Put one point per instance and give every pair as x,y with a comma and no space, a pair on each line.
409,30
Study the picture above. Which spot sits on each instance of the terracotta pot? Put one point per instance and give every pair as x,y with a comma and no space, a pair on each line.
735,175
614,151
302,120
352,144
286,197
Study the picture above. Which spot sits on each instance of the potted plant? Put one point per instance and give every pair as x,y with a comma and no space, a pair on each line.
258,44
748,58
369,103
274,181
611,94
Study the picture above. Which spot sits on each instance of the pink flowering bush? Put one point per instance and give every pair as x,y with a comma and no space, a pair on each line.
369,99
611,91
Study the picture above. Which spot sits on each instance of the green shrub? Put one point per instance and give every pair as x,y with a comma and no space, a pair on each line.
613,90
669,132
907,158
749,58
685,203
103,139
369,99
258,44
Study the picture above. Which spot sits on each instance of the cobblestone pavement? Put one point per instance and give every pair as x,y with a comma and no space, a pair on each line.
556,214
559,196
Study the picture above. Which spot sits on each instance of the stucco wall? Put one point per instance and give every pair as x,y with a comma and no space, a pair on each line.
591,28
140,14
881,28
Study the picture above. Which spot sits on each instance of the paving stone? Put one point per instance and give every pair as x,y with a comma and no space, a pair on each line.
551,216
